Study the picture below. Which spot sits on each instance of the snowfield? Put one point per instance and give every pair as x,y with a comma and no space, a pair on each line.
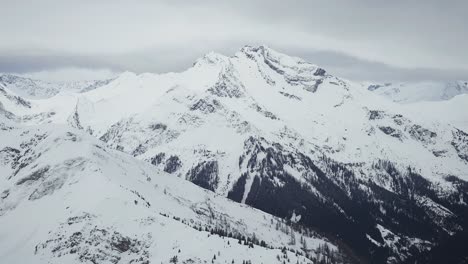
71,199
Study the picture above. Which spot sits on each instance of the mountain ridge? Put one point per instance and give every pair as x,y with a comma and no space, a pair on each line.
286,137
98,205
30,88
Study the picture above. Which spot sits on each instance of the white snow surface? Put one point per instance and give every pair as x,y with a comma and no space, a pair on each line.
77,200
412,92
207,112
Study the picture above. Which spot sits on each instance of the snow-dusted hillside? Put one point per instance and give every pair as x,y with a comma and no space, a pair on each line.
420,91
282,135
66,198
31,88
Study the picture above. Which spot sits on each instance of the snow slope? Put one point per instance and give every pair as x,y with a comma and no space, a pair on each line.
96,205
282,135
452,111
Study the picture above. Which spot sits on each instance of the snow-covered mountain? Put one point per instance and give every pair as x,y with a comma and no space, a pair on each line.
379,179
420,91
67,198
31,88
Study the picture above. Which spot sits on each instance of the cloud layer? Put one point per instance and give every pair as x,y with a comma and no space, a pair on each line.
375,40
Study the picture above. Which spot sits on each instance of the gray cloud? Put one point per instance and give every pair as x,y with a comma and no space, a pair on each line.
358,69
364,40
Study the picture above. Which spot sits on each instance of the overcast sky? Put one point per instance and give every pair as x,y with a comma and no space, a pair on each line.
360,40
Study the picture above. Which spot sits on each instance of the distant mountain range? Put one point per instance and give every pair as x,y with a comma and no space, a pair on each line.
420,91
37,89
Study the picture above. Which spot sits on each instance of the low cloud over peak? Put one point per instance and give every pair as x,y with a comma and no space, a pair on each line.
364,40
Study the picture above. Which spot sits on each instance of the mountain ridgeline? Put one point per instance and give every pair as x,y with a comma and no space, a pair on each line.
376,179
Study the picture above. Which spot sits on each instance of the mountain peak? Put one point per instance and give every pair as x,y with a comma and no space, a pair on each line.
211,58
262,50
273,57
8,78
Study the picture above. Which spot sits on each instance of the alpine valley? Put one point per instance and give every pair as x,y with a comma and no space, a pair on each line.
255,158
